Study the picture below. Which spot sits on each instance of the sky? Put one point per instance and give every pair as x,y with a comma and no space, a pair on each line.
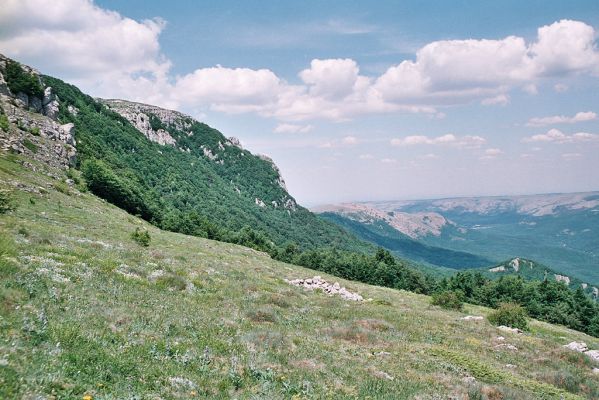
352,100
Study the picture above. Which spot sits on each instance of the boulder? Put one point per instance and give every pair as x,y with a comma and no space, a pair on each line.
593,354
580,347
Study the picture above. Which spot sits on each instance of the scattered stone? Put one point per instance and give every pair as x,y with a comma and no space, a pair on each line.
510,366
382,353
594,354
383,375
331,289
506,346
596,370
500,338
181,383
469,379
580,347
508,329
472,318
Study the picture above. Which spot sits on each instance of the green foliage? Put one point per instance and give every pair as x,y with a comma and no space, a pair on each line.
548,300
4,124
34,130
105,183
195,195
6,201
141,237
19,81
509,314
32,147
62,188
451,300
156,123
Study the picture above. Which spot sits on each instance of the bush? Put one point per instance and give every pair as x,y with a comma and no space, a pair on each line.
141,237
509,314
123,193
448,299
19,81
4,122
30,145
6,202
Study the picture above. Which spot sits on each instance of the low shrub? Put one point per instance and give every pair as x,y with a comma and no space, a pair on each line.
449,300
4,123
142,237
6,201
509,314
30,145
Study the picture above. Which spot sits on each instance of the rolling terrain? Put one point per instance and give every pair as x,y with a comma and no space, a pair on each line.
558,230
87,311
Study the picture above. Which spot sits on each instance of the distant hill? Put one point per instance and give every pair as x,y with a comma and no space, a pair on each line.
381,233
532,271
560,230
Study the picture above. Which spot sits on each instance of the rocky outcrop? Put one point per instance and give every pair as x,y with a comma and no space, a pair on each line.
582,347
34,129
562,278
331,289
140,115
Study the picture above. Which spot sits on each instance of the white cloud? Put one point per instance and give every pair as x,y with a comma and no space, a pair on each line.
349,140
365,156
84,43
531,89
562,119
447,140
500,99
388,160
557,136
292,128
491,154
560,87
110,55
571,156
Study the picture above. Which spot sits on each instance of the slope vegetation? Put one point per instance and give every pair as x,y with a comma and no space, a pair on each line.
86,310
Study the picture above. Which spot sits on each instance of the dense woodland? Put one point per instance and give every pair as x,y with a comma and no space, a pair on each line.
184,191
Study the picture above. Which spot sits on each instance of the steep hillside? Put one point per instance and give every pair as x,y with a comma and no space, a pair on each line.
176,172
87,311
559,230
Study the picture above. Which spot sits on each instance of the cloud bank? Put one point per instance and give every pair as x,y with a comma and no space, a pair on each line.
111,55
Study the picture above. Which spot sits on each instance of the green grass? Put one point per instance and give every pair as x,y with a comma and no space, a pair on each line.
84,309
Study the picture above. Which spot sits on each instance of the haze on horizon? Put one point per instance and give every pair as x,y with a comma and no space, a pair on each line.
352,101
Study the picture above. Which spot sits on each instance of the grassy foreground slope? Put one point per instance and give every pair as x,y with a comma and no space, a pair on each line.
87,311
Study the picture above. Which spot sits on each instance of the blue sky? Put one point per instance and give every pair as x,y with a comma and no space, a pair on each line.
353,100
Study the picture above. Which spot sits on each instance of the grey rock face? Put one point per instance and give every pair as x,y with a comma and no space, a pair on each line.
139,116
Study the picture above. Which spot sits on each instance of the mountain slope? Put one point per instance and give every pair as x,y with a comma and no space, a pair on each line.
85,310
196,170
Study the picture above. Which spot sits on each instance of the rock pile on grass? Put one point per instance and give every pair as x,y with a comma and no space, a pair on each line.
329,288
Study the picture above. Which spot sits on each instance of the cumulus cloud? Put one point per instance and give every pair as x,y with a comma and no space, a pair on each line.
446,140
388,160
292,128
562,119
110,55
491,154
557,136
349,140
365,156
571,156
500,99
